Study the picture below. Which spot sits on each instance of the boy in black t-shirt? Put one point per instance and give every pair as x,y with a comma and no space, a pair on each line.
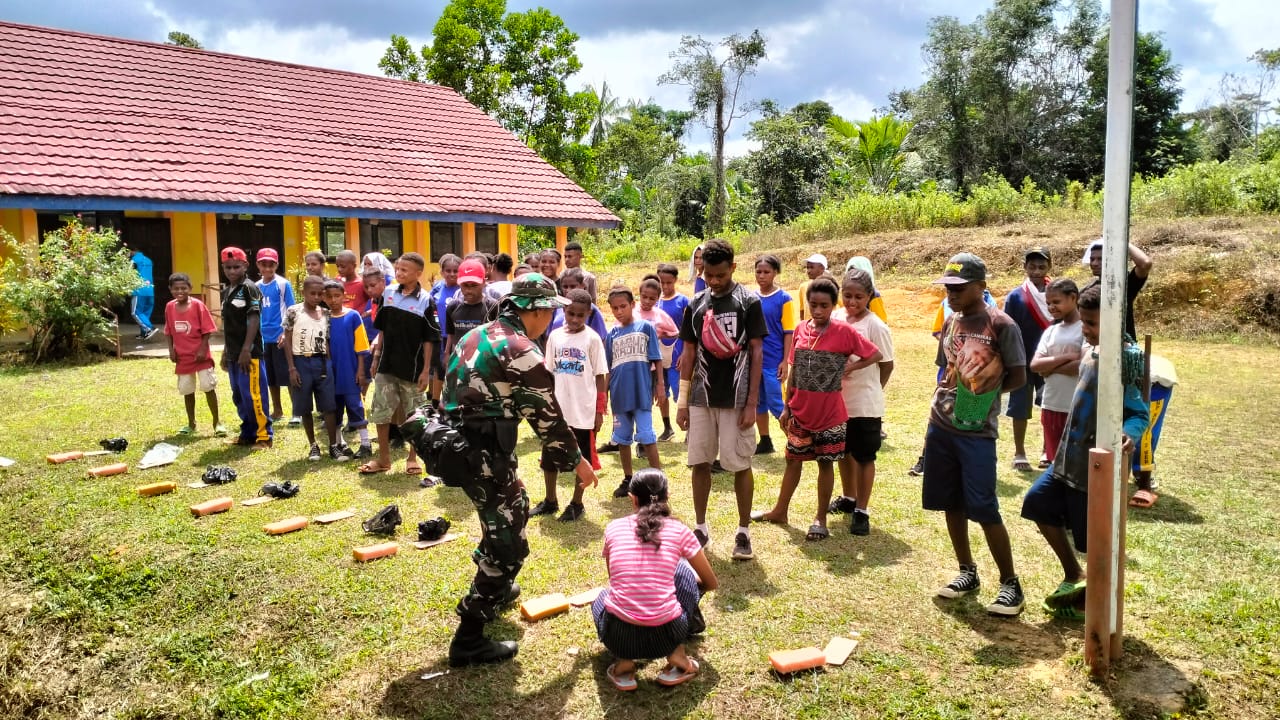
723,331
469,309
242,350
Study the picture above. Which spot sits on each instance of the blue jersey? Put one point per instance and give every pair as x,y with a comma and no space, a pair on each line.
347,340
142,264
276,296
674,308
631,351
780,320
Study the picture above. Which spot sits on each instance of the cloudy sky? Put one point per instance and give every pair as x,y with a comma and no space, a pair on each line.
848,52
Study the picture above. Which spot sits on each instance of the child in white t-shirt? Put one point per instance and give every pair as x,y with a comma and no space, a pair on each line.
1057,360
863,392
576,358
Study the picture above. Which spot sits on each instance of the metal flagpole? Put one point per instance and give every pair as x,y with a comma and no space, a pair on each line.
1115,263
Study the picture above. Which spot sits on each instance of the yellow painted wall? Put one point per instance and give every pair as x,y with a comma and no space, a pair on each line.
187,234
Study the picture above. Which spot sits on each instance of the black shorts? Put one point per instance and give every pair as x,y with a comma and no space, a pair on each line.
584,446
277,366
862,439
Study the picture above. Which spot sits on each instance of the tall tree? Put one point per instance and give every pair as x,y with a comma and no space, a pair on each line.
715,80
514,66
1159,138
790,169
182,39
608,108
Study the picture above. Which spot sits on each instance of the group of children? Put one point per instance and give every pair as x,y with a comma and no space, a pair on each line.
732,358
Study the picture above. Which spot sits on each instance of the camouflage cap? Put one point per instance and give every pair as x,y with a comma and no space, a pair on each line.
535,291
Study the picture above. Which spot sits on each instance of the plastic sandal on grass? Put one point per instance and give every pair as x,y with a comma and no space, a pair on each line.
672,675
186,430
1021,464
1143,499
622,681
220,431
1066,595
817,532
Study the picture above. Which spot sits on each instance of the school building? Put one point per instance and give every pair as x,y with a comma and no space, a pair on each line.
186,151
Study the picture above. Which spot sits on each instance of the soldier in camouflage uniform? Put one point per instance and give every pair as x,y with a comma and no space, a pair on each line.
496,377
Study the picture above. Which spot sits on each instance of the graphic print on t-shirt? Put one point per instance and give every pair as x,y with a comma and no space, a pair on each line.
975,351
569,361
632,347
181,327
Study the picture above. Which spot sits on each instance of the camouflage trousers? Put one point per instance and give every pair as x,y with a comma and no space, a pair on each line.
503,507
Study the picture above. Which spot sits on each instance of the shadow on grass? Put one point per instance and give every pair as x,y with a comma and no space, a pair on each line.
847,554
1142,684
739,582
1013,642
1168,508
579,533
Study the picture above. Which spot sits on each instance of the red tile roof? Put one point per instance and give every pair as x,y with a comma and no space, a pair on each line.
93,117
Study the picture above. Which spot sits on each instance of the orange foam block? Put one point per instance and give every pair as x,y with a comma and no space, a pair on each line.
373,552
59,458
105,470
790,661
210,507
159,488
287,525
538,608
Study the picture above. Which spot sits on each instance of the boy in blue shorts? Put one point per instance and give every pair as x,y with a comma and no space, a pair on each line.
673,304
780,319
277,294
1059,500
306,349
348,351
981,354
635,382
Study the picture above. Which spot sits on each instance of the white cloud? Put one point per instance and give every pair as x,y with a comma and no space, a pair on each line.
631,64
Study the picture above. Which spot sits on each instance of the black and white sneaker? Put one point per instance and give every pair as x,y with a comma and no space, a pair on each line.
607,448
1009,601
573,511
841,505
703,538
544,507
742,547
150,333
314,455
667,435
623,489
964,583
918,469
340,452
861,524
365,452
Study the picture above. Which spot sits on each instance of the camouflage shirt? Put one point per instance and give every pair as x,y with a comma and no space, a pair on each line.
497,372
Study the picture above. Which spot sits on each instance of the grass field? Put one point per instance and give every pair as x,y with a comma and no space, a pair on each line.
116,606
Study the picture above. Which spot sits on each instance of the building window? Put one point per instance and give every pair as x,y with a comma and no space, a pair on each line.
47,222
445,238
384,236
487,239
333,236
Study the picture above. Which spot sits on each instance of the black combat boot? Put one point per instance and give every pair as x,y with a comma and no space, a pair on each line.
471,647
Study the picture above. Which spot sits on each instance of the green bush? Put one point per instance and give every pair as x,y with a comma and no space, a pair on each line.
63,289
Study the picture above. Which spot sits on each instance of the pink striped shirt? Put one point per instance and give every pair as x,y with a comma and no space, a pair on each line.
642,587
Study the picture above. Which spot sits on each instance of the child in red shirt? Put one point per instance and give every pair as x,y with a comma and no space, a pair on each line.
815,418
188,325
353,295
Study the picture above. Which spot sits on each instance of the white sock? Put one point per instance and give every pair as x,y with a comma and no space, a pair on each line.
705,530
364,435
864,511
744,531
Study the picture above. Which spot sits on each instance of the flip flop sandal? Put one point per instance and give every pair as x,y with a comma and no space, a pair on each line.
1066,595
1044,463
624,682
1143,499
373,468
817,532
220,431
672,675
1020,464
1068,613
415,469
186,430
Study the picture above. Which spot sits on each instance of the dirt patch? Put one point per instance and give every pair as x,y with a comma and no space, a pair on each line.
1151,687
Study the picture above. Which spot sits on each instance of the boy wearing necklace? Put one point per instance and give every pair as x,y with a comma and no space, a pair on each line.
815,418
1027,306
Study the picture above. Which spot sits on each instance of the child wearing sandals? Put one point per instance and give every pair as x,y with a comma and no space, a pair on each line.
1059,499
657,575
863,392
815,418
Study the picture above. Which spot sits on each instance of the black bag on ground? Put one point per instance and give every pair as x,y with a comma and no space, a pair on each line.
384,522
115,444
281,491
429,530
443,447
